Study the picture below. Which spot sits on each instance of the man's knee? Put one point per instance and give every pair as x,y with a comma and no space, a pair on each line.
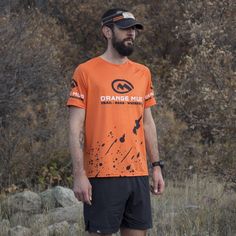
95,234
132,232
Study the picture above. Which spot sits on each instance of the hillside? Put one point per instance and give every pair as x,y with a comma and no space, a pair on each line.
189,47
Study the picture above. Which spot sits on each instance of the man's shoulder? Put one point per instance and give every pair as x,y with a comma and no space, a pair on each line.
140,66
87,65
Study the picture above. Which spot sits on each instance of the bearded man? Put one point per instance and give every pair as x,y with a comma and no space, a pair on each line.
111,130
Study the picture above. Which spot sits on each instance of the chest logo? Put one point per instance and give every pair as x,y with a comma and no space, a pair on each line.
122,86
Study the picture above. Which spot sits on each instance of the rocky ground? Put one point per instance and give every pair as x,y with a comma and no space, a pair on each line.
55,211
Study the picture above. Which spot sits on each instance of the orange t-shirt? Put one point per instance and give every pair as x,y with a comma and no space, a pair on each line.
114,97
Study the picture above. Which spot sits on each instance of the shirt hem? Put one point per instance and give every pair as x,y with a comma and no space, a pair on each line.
118,175
150,104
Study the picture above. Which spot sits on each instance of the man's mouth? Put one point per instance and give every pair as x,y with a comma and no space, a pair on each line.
129,41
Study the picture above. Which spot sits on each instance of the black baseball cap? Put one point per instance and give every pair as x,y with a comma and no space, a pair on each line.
121,18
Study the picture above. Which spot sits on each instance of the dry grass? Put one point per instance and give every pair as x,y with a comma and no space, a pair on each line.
194,207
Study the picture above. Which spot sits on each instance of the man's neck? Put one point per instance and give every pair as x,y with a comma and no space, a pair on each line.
114,57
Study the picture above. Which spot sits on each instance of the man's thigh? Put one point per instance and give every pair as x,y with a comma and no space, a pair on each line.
109,196
137,214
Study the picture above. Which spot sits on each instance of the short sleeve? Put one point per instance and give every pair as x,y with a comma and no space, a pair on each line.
78,93
149,99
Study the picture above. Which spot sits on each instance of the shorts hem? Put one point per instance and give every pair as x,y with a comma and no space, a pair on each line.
101,231
113,231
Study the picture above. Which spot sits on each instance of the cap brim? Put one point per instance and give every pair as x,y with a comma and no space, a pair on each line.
127,23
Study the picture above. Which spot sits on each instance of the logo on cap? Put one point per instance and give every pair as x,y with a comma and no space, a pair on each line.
128,15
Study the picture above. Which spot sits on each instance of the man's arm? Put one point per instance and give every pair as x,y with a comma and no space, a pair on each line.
152,151
82,187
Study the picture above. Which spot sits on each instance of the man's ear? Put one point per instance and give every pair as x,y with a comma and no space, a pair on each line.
107,32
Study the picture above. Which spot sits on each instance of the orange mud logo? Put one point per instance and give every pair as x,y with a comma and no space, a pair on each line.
122,86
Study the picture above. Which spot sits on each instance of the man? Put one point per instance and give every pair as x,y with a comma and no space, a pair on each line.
110,105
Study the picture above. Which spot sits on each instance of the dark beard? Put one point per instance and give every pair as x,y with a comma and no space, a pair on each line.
121,48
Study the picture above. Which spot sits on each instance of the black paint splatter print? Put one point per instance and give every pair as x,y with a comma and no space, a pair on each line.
137,125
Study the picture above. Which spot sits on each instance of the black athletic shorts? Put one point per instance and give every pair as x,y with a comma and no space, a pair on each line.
118,202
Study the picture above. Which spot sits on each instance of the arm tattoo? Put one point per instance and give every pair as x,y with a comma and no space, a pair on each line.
81,139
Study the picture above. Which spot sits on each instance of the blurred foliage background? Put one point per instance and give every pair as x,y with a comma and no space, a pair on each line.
189,46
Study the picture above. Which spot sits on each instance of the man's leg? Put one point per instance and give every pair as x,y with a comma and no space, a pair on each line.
103,217
137,217
132,232
94,234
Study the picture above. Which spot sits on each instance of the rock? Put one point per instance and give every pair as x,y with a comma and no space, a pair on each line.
70,214
48,199
19,231
75,230
42,232
58,197
26,201
25,212
19,218
39,221
59,229
64,196
4,227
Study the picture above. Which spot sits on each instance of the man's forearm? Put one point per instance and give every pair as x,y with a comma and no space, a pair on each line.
151,141
76,139
152,150
81,187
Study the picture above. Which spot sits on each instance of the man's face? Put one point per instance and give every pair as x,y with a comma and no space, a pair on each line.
123,40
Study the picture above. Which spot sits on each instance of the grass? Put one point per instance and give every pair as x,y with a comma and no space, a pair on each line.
194,207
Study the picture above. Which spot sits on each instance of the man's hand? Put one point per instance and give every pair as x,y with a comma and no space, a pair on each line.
83,189
158,183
